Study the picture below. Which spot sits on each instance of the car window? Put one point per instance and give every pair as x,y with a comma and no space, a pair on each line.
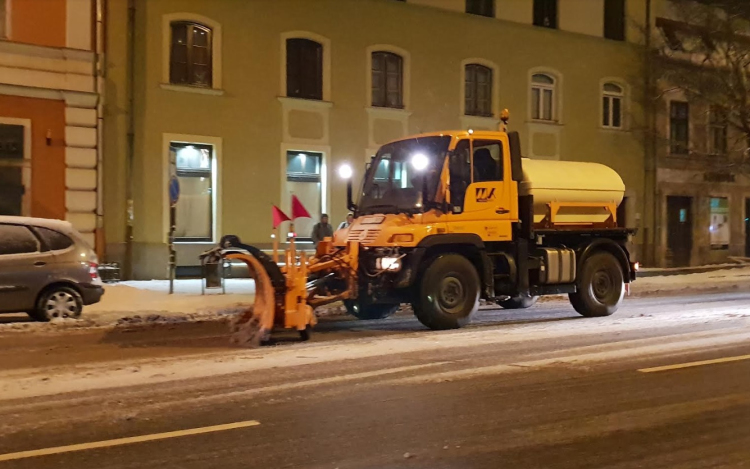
54,240
16,239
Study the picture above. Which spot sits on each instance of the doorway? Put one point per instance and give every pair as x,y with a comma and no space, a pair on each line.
679,230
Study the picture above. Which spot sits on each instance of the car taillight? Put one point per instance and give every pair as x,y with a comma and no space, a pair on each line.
94,270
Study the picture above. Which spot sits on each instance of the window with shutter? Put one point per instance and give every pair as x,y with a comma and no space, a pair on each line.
304,69
190,60
478,90
387,80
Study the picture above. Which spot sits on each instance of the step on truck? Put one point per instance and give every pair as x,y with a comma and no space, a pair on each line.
444,220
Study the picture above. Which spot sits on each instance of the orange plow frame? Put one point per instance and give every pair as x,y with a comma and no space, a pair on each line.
283,297
254,326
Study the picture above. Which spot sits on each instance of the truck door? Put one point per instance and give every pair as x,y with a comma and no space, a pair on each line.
487,203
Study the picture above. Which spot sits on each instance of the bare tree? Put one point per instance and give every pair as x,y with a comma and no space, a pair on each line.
704,51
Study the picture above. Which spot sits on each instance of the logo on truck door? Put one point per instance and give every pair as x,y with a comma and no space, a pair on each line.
485,194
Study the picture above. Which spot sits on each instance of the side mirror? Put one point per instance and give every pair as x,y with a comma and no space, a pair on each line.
350,205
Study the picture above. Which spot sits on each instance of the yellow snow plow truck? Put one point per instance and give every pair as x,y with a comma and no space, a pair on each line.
443,220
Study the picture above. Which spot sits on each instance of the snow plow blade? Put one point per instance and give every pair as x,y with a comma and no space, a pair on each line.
253,327
285,298
274,292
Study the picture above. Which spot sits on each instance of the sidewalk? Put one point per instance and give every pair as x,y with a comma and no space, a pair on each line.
659,272
145,302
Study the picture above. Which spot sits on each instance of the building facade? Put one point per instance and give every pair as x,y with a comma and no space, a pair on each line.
702,196
49,112
247,103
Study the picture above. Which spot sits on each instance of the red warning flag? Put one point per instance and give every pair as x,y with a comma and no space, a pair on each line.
279,217
299,210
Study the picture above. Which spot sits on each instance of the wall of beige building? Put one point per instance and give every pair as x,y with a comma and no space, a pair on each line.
246,116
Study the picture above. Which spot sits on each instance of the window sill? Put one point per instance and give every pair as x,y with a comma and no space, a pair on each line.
544,122
192,89
613,129
301,103
481,118
479,122
388,111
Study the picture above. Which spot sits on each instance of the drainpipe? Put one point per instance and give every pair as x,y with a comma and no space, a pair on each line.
130,144
100,70
650,240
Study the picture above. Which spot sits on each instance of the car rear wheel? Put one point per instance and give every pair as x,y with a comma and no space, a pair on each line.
57,302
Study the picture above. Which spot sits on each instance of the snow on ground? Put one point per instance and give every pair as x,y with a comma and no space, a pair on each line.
728,279
149,301
35,382
150,298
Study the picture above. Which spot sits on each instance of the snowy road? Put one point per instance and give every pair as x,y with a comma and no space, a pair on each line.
540,388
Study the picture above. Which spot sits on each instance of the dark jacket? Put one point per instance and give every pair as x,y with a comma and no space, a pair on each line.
321,231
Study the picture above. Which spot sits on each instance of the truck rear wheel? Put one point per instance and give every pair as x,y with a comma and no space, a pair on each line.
519,302
369,312
601,286
448,294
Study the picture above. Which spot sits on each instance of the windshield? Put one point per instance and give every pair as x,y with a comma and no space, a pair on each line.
393,183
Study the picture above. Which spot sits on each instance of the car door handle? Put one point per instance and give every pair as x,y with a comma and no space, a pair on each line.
502,211
40,263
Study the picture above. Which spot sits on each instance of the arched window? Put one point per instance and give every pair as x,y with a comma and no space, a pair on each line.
612,98
543,96
190,54
387,80
304,69
478,90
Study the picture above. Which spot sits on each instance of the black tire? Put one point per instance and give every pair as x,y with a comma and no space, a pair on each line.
57,302
449,293
305,334
519,302
601,286
369,312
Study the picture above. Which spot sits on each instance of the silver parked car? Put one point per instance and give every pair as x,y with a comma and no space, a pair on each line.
46,269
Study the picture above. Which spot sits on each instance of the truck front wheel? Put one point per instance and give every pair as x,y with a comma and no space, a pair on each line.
448,294
369,312
601,286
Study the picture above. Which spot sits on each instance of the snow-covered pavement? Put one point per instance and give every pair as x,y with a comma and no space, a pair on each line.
137,301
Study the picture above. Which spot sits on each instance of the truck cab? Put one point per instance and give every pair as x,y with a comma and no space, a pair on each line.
446,218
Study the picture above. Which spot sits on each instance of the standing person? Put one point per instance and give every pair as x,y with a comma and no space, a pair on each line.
321,230
349,220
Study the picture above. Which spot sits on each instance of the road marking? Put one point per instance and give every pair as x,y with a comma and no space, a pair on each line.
127,441
693,364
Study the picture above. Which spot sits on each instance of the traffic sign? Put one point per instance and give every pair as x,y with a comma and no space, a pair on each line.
174,190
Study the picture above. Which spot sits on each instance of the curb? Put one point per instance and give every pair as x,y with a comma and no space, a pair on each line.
688,270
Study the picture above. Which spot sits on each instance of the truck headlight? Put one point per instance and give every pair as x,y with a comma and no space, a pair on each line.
391,264
402,238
